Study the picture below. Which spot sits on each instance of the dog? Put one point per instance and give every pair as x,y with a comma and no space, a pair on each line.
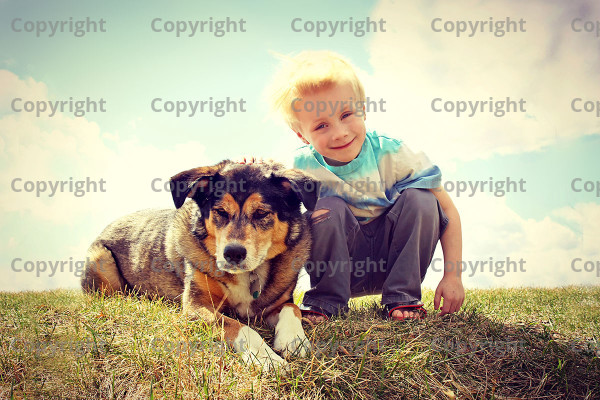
231,252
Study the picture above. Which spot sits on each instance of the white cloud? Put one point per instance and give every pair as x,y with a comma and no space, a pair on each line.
586,216
13,87
492,229
548,66
62,147
56,149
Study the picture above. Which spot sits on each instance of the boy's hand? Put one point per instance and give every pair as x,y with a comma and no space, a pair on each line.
252,160
451,289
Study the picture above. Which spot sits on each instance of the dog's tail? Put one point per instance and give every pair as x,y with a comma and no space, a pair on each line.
101,272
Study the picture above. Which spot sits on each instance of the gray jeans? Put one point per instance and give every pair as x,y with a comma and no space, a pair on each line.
388,256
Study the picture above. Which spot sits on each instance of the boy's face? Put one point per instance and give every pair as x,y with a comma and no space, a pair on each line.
338,132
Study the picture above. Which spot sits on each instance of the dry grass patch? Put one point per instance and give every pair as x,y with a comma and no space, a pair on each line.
517,343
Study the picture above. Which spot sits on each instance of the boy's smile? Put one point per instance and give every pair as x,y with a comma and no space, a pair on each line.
344,146
338,132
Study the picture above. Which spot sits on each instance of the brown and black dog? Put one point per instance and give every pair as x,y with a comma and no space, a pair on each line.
232,252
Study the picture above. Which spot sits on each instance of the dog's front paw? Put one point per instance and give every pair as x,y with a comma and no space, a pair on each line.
290,339
265,359
255,351
291,342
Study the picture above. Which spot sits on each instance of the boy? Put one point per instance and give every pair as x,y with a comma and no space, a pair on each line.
381,208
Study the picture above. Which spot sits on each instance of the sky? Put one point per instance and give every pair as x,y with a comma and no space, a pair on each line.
425,60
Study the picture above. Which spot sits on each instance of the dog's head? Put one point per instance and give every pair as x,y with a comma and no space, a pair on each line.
249,213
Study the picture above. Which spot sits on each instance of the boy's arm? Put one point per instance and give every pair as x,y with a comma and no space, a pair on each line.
450,287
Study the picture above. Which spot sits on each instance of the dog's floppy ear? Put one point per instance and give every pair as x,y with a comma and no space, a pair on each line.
186,183
304,185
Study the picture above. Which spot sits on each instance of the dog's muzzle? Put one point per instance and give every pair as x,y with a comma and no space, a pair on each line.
235,255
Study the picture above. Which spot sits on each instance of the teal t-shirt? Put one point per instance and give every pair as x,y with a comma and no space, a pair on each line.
372,181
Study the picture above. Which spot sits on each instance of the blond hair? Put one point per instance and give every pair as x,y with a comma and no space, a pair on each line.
306,73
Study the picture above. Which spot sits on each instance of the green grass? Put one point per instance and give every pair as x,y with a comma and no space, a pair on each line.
504,343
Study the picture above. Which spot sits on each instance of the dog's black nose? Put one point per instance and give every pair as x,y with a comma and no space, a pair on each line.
234,253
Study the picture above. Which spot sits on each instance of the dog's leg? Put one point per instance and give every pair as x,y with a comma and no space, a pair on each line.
244,340
101,272
290,338
252,347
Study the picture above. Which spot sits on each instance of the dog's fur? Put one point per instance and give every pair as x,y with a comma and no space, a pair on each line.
234,249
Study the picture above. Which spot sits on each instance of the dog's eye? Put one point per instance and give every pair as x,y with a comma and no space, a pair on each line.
222,213
260,214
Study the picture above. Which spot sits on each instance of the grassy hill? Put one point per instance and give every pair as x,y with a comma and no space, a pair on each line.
503,344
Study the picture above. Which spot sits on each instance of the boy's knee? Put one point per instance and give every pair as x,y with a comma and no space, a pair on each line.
329,207
420,204
420,199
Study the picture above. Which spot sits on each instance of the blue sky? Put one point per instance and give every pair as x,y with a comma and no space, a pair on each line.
408,65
